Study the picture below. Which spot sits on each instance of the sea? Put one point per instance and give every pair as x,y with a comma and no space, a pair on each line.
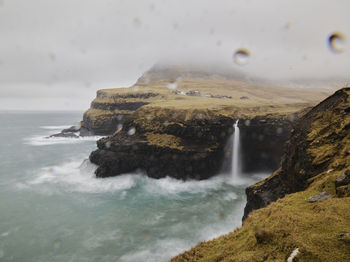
53,208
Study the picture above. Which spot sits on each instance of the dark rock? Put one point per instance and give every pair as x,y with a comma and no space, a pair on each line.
244,98
345,237
197,158
193,93
343,179
262,236
319,197
72,129
221,96
67,134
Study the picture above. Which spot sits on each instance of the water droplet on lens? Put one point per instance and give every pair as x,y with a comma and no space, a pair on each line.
57,244
279,130
218,42
247,122
52,57
131,131
135,88
336,42
119,126
241,56
172,85
108,144
136,22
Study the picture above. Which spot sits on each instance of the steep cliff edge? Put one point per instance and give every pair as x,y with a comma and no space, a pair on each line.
304,206
317,139
177,123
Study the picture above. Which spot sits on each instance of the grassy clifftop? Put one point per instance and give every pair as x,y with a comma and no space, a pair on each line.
317,160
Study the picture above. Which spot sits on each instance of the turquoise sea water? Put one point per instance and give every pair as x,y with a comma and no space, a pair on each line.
52,208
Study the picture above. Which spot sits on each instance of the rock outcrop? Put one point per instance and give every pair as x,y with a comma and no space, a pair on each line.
317,138
279,218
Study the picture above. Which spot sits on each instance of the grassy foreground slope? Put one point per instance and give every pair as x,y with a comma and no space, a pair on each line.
273,232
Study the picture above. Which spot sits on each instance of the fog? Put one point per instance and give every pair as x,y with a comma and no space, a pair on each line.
55,54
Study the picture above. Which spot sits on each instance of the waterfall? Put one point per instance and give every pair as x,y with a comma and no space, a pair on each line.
235,152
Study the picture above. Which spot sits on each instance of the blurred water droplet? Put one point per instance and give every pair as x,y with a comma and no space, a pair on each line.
119,126
166,123
52,57
286,26
172,84
57,244
241,56
108,144
279,130
212,31
145,233
218,43
119,117
222,215
336,42
136,22
2,253
131,131
135,88
247,122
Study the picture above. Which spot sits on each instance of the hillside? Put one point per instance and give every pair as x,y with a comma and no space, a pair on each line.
305,204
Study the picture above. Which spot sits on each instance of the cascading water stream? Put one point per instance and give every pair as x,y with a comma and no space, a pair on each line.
235,153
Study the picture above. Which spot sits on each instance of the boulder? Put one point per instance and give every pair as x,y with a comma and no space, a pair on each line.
319,197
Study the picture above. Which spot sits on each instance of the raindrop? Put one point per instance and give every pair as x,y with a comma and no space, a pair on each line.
172,84
135,88
279,130
108,144
119,117
57,244
241,56
218,43
136,22
119,126
131,131
247,122
336,42
166,123
52,57
222,215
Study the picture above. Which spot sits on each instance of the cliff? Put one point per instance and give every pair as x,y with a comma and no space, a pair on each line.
303,208
180,127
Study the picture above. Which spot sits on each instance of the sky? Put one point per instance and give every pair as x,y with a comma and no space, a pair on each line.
55,54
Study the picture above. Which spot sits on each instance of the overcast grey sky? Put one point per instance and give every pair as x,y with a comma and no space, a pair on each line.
55,54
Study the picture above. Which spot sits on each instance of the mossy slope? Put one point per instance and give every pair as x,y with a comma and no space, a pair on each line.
321,153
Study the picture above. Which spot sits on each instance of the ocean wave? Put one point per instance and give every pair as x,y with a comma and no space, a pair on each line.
77,177
45,140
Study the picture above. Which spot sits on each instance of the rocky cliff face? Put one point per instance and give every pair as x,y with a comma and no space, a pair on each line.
188,145
303,208
109,110
192,149
317,141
